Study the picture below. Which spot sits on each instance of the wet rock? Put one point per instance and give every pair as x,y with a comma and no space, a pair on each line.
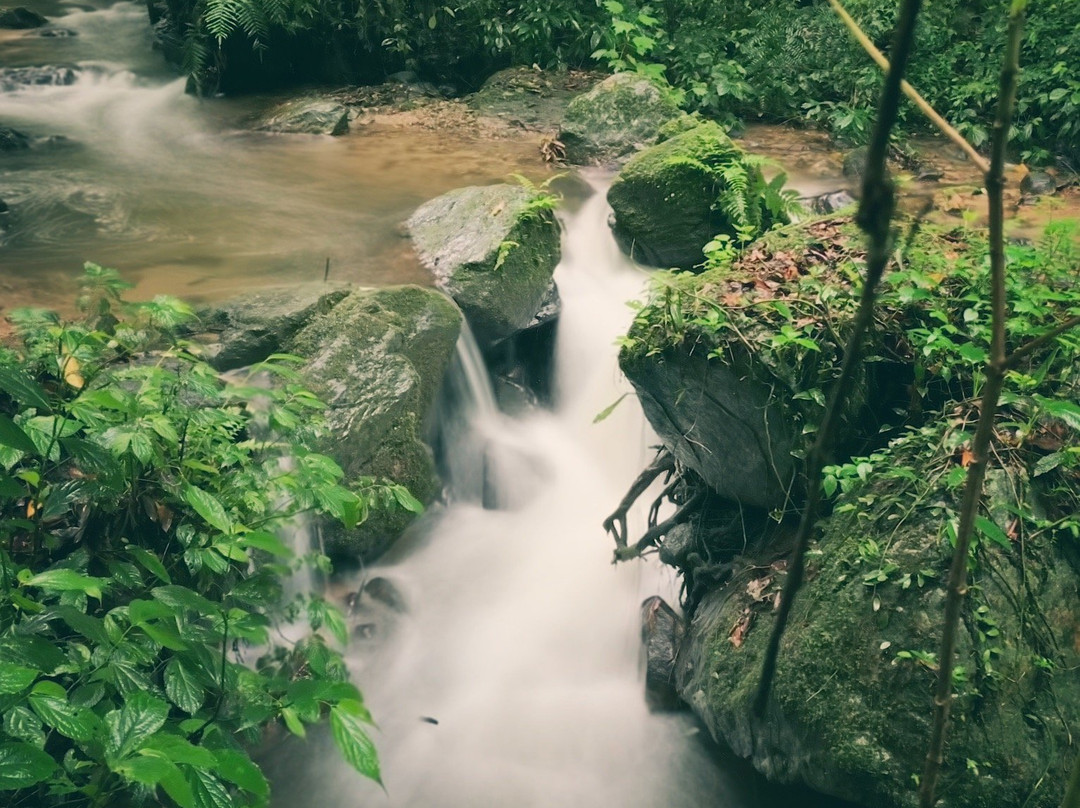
855,164
251,328
12,139
13,78
308,116
52,206
20,17
1038,183
662,633
377,358
383,590
491,252
56,33
929,174
618,116
829,202
664,201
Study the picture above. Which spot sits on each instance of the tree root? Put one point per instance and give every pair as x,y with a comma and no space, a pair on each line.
616,523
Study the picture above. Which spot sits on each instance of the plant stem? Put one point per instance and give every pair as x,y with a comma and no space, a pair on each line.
875,214
1072,796
924,106
996,369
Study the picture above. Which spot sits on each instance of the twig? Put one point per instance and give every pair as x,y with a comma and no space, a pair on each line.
996,368
946,128
875,213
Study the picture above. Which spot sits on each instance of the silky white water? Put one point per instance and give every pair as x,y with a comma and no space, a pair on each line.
521,639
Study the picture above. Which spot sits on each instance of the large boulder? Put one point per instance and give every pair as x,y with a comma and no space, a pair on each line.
308,116
851,709
719,419
20,17
377,358
493,249
615,118
252,327
672,199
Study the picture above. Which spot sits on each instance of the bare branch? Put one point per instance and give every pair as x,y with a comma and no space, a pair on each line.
995,379
875,214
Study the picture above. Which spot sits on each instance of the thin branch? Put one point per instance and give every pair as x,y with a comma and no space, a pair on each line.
946,128
1029,348
995,379
875,214
1072,796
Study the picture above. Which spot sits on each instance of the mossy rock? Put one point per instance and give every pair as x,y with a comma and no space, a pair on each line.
377,358
851,709
252,327
620,115
492,251
666,200
308,116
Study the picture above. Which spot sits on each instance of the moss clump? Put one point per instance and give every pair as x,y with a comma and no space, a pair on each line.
852,708
674,198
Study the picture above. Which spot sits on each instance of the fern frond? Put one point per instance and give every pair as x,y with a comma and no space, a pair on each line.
220,18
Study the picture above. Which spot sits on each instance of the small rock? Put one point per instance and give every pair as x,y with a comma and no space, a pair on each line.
20,18
308,116
56,33
855,163
385,592
930,174
662,632
1038,183
12,139
12,78
829,202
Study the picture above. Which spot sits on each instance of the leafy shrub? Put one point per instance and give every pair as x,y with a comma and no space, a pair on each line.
141,572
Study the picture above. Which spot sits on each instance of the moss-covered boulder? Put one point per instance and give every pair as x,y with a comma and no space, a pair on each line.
618,116
493,249
672,199
250,328
852,707
307,116
377,358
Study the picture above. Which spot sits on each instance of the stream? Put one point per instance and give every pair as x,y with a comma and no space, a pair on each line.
506,670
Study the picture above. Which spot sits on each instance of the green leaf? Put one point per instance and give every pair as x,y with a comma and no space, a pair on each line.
183,598
11,435
1048,463
18,384
208,507
208,790
64,580
406,500
23,765
179,750
267,542
182,687
15,678
140,717
610,408
150,562
991,531
346,726
90,627
237,768
293,722
53,709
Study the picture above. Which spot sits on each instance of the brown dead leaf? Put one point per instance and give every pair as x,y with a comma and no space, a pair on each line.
739,630
732,299
756,588
967,457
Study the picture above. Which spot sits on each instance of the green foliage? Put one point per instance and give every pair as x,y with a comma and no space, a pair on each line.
140,570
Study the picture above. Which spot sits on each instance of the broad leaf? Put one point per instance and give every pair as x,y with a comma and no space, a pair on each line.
183,687
208,507
14,678
237,768
23,765
141,716
353,741
11,435
64,580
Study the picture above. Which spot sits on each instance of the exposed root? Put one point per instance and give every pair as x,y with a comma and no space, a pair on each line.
616,523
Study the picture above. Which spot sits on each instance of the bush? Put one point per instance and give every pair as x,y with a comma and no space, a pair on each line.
140,497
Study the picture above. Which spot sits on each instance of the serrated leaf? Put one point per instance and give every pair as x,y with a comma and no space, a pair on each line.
18,384
353,742
15,678
208,507
183,598
21,723
182,687
179,750
293,722
208,790
140,717
75,723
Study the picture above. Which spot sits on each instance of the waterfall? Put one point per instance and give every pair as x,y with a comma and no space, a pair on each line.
514,678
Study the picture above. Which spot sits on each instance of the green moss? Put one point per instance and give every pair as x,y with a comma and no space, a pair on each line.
621,114
377,358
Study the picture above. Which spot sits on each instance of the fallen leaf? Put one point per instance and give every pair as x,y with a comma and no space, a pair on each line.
756,588
739,630
967,457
